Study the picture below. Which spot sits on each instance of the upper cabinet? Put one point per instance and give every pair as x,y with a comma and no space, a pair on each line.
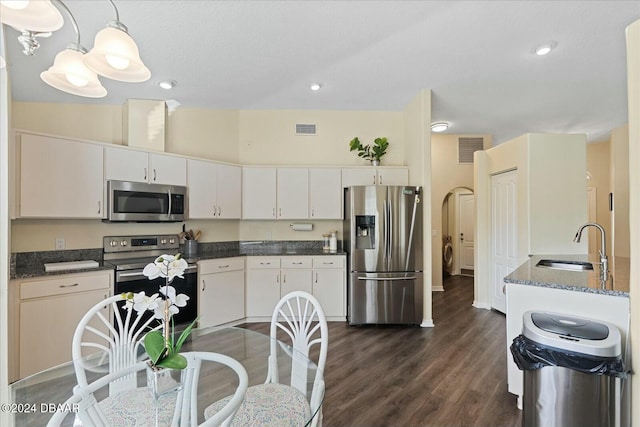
375,176
124,164
59,178
214,190
291,193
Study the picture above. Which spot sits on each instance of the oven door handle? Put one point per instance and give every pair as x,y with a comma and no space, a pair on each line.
189,269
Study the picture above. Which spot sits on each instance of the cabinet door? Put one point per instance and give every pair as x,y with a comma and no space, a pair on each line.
329,289
229,191
126,165
202,189
325,193
60,178
259,193
293,193
221,298
295,280
165,169
263,291
47,326
358,176
393,176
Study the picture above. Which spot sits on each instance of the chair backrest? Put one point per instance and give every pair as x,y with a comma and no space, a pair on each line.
116,342
88,412
301,317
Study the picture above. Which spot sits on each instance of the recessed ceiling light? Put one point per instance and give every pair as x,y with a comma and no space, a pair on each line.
545,49
439,127
167,84
315,86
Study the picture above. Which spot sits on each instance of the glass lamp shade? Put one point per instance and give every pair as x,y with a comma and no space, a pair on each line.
40,16
69,74
116,56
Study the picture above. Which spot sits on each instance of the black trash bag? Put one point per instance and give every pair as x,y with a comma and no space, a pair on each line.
530,355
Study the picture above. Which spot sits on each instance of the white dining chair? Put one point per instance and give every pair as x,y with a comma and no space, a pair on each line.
301,317
90,412
106,341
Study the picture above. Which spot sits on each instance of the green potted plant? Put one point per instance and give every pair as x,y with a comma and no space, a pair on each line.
373,152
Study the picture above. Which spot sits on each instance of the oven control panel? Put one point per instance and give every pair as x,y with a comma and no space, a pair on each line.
140,243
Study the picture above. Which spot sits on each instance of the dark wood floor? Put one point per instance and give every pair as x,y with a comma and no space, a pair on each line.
451,375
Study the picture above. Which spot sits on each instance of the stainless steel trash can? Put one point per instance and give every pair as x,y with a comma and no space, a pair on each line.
570,364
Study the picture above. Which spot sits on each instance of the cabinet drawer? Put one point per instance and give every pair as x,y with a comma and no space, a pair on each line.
263,262
65,285
295,262
220,265
328,261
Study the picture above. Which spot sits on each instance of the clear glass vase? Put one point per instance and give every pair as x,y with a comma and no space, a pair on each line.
161,381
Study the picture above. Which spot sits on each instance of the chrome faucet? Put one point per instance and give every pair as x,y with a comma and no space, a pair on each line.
604,262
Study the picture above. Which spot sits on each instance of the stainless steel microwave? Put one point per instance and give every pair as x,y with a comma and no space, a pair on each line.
142,202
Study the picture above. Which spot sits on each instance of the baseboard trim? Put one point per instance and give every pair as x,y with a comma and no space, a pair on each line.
437,289
427,323
484,305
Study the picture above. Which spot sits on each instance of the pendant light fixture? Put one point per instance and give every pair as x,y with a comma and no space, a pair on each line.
115,55
68,72
33,15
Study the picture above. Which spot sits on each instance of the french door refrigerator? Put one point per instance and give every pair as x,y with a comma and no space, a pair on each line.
382,233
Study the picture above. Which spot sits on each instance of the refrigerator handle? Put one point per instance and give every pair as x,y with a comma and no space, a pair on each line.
384,229
390,231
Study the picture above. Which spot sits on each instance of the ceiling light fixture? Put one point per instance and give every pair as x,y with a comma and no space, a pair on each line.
167,84
38,16
115,54
545,49
68,72
439,127
315,87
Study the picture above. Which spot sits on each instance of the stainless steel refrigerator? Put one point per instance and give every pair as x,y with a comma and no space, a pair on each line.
382,234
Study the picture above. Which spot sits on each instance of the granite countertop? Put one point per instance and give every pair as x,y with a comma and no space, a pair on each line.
31,264
580,281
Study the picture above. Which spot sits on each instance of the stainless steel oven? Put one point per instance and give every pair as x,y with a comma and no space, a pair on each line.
128,255
142,202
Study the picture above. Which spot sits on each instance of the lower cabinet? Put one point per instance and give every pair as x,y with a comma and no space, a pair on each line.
271,278
48,311
220,291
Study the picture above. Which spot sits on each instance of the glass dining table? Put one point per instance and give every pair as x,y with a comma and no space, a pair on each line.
35,398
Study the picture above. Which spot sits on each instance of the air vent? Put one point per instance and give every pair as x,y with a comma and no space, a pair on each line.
468,146
305,129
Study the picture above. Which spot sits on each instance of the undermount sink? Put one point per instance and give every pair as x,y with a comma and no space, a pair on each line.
565,265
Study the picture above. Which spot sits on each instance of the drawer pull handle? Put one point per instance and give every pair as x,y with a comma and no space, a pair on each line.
316,277
69,286
265,263
328,263
223,266
297,263
204,285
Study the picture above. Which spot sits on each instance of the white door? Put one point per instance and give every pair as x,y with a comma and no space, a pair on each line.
293,193
229,191
358,176
504,233
168,170
466,221
126,165
202,189
325,193
394,176
259,193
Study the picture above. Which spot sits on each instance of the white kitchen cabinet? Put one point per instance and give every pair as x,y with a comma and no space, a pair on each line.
325,193
215,190
49,310
375,176
220,291
60,178
125,164
329,285
258,193
292,193
271,278
295,275
263,286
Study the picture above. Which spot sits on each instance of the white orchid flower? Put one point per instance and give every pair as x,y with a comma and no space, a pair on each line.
158,312
167,266
179,300
142,302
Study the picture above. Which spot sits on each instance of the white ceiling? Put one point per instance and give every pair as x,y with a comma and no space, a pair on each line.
476,57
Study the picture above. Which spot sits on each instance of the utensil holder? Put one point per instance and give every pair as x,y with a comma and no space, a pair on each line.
191,247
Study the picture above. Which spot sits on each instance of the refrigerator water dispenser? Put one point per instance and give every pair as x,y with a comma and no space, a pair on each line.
365,232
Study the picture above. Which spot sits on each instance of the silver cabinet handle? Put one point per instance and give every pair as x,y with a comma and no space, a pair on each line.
69,286
99,206
316,277
312,212
155,175
274,212
277,278
374,180
280,212
328,263
297,263
224,266
265,263
219,211
145,174
380,179
284,278
204,285
214,210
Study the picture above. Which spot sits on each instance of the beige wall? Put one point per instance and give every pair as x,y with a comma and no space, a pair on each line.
633,90
598,167
619,171
268,137
446,175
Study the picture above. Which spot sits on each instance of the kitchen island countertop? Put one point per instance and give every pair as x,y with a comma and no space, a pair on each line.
581,281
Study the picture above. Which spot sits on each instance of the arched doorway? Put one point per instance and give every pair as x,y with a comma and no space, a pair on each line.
458,223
